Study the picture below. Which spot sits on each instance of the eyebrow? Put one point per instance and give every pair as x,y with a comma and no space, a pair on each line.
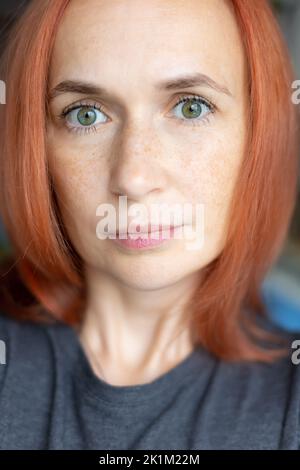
183,81
189,81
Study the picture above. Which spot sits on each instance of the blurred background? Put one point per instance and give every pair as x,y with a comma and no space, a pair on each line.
281,289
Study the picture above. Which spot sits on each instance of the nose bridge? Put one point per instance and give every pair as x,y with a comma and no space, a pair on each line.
135,169
136,140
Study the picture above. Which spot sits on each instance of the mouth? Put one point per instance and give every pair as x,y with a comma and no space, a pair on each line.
155,237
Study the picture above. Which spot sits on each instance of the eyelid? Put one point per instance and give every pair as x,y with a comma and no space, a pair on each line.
81,104
179,98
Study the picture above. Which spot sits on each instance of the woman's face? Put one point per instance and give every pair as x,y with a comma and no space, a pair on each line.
136,139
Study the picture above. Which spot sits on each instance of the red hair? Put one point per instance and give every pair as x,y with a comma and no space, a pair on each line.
46,282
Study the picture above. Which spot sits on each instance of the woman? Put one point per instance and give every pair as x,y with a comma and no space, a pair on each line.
131,343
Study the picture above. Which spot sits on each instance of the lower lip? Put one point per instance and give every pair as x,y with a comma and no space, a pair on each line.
141,243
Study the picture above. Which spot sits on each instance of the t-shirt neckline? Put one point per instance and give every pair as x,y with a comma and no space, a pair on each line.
165,384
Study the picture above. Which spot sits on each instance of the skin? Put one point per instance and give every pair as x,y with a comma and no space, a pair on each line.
145,147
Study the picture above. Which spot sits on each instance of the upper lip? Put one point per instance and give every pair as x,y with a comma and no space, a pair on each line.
149,228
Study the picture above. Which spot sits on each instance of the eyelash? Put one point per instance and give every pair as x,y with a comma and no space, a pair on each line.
189,122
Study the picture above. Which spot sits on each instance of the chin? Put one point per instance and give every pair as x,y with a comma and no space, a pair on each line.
151,274
148,277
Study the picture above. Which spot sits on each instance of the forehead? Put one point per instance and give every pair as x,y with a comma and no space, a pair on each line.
141,41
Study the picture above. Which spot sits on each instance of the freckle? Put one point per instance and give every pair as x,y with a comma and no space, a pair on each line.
147,149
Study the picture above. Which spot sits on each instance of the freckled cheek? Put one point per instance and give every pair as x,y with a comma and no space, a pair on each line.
80,186
211,177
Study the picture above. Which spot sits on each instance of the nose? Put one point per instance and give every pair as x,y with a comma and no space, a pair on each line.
136,170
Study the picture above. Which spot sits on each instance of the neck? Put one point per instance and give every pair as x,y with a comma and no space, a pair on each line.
131,335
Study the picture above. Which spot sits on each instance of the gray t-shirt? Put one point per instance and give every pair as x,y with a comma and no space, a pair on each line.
50,398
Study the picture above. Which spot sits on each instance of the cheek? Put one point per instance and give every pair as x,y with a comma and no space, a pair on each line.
211,176
75,166
79,185
211,170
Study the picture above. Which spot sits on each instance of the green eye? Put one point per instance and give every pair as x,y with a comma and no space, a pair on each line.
193,108
86,116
